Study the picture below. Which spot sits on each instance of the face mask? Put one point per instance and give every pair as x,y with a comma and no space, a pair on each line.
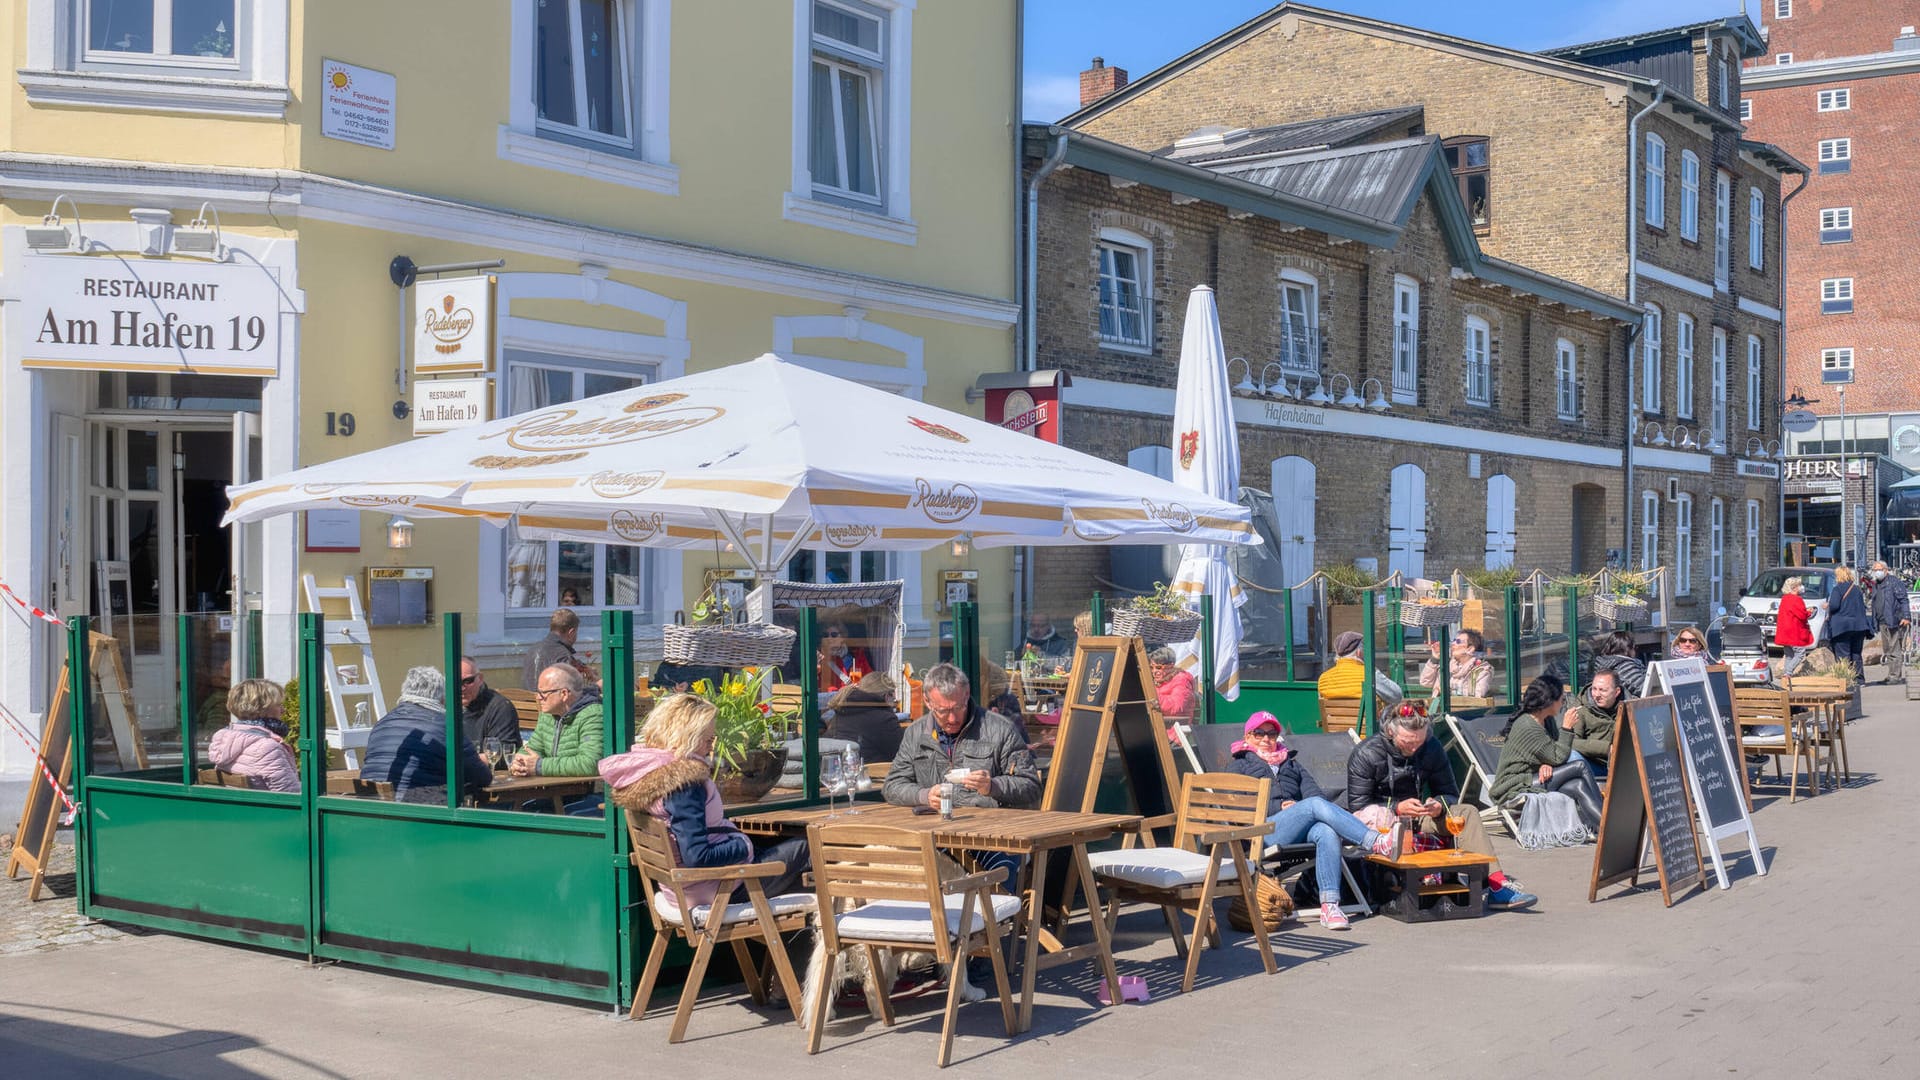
1879,575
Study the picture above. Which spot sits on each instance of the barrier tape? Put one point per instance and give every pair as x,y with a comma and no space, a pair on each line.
38,758
38,613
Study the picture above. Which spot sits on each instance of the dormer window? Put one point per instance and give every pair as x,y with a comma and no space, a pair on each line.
1468,159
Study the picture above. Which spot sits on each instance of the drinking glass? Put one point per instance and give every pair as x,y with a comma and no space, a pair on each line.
854,771
490,750
1456,818
832,778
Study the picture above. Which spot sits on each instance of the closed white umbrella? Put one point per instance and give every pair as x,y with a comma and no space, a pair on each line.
1206,459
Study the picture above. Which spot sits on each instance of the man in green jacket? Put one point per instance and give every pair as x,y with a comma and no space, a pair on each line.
1593,719
567,739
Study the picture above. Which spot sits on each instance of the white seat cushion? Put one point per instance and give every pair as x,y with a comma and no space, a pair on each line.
905,920
784,904
1158,868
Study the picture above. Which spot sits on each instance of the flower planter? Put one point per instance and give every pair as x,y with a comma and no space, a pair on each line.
1155,629
741,645
758,773
1414,613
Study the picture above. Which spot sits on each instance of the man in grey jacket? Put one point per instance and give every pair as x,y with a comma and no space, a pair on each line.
958,736
1891,612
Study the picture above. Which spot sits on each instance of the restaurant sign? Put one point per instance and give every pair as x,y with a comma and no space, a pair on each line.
453,325
1033,410
111,313
445,404
1757,468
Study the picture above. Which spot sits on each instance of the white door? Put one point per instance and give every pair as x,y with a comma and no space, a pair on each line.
1294,483
1500,530
1407,522
68,522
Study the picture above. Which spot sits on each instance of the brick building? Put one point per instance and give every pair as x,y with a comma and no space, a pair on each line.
1404,397
1839,85
1619,166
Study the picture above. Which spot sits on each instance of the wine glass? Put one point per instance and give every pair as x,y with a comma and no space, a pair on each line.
1456,818
833,778
853,771
490,750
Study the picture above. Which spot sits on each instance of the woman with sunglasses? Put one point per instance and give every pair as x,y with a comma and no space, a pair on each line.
841,665
1471,675
1689,644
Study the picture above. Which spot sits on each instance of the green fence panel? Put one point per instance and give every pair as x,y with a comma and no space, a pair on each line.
1297,704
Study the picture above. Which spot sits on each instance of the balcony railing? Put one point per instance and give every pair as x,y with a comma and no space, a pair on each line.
1300,351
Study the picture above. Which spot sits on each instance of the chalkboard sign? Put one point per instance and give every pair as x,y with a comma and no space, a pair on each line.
1710,764
1647,787
40,817
1111,699
1720,685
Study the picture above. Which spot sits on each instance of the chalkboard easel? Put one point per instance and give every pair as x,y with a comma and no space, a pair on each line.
1646,788
40,817
1111,703
1710,763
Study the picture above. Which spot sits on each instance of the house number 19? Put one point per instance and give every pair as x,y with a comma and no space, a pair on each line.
340,423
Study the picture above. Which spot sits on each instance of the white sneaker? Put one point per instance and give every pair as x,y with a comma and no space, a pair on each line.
1333,918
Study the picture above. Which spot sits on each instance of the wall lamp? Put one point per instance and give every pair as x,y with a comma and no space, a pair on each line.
52,234
1683,439
1379,402
197,237
1659,436
1756,448
1245,385
399,533
961,545
1278,387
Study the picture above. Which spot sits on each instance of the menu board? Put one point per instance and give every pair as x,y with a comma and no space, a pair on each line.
40,817
1711,763
1646,787
1720,685
1111,700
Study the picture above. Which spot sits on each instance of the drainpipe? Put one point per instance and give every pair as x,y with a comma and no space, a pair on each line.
1780,230
1030,339
1633,298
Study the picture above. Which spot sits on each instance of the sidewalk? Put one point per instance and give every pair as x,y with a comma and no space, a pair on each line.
1808,971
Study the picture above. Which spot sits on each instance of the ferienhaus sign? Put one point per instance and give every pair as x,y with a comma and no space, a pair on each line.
111,313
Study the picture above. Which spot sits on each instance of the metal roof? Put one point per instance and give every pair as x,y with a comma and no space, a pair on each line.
1738,25
1377,181
1210,145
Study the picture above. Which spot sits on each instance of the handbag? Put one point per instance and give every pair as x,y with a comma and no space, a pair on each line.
1275,905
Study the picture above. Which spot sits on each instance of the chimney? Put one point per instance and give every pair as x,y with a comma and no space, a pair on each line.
1100,80
1906,42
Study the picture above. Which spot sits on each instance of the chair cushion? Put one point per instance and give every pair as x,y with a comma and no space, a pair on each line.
784,904
1763,735
905,920
1157,868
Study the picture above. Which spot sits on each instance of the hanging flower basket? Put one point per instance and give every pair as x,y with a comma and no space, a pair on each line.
739,645
1155,629
1436,613
1619,609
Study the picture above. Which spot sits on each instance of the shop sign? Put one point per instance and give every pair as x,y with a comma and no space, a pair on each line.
1756,468
453,325
445,404
356,104
93,313
1033,410
1813,468
1287,415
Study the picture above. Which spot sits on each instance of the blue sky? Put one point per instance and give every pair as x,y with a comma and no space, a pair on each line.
1140,35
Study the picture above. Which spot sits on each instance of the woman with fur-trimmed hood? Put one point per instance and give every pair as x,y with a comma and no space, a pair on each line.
668,775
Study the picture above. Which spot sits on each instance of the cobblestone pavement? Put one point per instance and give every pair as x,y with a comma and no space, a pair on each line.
50,922
1807,971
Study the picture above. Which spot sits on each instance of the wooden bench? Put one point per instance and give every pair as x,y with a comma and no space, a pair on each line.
1450,899
217,778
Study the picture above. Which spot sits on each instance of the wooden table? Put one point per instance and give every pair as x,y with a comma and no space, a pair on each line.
1034,834
1830,710
503,788
1412,869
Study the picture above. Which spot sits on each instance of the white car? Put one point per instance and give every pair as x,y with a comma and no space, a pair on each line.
1761,600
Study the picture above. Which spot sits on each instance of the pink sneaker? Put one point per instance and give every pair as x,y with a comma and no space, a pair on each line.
1333,918
1388,843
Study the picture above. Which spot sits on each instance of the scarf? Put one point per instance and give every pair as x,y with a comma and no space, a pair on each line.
1274,758
278,728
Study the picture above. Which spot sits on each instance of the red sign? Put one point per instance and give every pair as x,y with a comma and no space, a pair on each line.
1031,409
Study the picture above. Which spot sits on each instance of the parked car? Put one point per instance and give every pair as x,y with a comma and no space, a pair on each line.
1762,598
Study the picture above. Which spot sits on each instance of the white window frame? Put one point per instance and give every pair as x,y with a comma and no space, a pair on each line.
1836,296
1683,338
644,160
1722,229
1142,248
1476,356
1656,186
1834,99
1756,229
1716,553
1783,58
1717,391
59,71
1836,219
1689,195
1840,359
1650,373
1649,530
1783,9
1566,379
1724,82
1406,340
892,219
1305,353
1746,109
1755,375
1753,541
1835,156
1683,545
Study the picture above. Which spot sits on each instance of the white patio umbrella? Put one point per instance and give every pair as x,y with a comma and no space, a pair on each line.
766,455
1206,459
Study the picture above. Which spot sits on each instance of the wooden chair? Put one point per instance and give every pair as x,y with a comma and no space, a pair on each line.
1221,821
1339,714
883,886
217,778
524,703
1833,717
759,919
1767,726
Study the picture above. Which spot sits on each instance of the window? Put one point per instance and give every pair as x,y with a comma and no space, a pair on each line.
1716,552
1683,366
1783,9
582,70
1656,162
1406,340
1722,229
205,57
1783,58
1566,380
1650,361
1836,359
1689,196
1683,545
1717,415
1126,284
1836,224
1753,540
1299,324
199,32
1836,99
853,117
1756,229
1649,530
1836,296
1479,364
1723,81
1468,159
1746,109
1836,155
588,91
1753,383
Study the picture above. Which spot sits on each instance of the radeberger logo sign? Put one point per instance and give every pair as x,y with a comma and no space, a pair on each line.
567,429
1173,515
375,502
956,502
637,528
613,484
448,326
849,536
452,324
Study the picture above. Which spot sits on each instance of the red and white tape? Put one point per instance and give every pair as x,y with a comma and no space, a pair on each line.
38,613
38,759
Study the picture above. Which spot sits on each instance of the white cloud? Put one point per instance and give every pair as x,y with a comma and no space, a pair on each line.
1050,97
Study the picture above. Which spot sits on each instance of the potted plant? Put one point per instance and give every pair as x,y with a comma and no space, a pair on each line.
712,637
1346,593
1623,598
1160,617
749,739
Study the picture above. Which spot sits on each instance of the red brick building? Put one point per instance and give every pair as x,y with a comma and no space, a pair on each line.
1839,88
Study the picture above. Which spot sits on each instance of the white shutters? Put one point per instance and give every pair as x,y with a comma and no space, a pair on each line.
1649,530
1716,553
1500,530
1406,340
1294,486
1407,521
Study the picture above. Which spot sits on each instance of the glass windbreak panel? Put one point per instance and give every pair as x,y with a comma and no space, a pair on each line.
134,706
245,723
1500,653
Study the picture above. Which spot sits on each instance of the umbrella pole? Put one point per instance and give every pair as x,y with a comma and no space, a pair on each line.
1207,688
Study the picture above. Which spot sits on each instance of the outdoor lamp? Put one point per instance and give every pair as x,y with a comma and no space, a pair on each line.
1245,385
51,234
399,533
1320,395
1279,384
1774,448
1683,439
1348,399
962,544
1659,437
1379,402
197,237
1756,448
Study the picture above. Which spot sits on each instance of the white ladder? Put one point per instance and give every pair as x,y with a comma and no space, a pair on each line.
348,633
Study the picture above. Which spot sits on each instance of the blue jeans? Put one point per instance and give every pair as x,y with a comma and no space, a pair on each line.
1324,825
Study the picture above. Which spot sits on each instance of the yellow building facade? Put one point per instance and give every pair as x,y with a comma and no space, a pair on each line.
201,207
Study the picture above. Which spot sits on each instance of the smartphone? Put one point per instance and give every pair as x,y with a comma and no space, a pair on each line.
925,810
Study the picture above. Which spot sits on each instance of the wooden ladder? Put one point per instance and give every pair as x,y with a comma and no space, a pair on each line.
343,698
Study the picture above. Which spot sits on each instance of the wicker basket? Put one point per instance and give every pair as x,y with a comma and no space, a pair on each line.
1417,614
1619,609
740,645
1154,629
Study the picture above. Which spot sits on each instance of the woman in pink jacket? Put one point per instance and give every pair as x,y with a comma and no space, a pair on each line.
253,744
